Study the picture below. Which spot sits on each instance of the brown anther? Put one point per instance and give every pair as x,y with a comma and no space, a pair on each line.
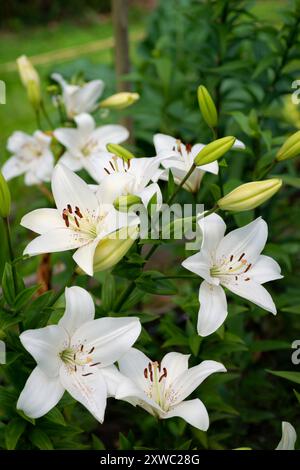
75,368
77,212
231,258
74,357
105,169
76,222
111,164
95,364
248,267
188,148
242,256
128,163
85,375
65,217
236,278
163,375
81,348
146,373
90,352
247,279
70,208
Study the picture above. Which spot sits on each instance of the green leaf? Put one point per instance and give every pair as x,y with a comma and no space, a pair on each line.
155,283
293,181
8,288
108,292
24,296
292,376
56,416
33,313
124,442
297,395
13,432
171,184
40,439
97,443
268,345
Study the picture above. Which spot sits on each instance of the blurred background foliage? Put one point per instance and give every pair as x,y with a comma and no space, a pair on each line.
248,55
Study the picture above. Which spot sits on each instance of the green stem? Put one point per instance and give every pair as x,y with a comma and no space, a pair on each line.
268,169
11,252
38,119
43,108
172,197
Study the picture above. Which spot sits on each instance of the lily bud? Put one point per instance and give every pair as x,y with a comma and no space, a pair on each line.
290,148
5,199
120,100
249,195
120,151
123,203
214,150
111,250
30,79
207,107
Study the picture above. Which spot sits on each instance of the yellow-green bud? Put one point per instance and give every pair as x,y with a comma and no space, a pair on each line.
123,203
120,151
119,100
30,79
5,199
249,195
214,150
207,107
110,251
290,148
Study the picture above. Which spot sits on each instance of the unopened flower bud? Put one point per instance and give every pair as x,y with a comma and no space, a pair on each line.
249,195
120,151
290,148
119,100
5,199
123,203
207,107
214,150
30,79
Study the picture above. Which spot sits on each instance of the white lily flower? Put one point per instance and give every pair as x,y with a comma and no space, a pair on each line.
76,355
288,438
161,388
79,99
179,158
233,261
86,145
120,178
80,221
31,155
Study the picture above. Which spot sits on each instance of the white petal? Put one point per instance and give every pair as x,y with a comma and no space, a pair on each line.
189,380
288,438
13,167
61,239
163,142
80,309
111,337
147,194
87,95
43,220
193,412
200,263
31,178
133,394
40,394
68,188
212,167
238,144
176,364
113,379
110,134
71,161
132,364
17,140
89,390
113,186
248,240
213,228
84,257
85,124
252,291
265,269
213,308
45,344
43,167
69,138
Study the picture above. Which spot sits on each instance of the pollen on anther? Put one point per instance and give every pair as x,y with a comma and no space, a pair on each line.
248,267
146,373
70,208
77,212
242,256
231,258
90,352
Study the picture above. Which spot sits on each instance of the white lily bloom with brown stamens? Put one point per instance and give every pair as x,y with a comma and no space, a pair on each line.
179,158
288,438
76,355
233,261
80,221
162,388
86,144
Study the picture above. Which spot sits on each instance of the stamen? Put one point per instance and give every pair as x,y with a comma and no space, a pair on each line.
76,222
128,163
105,169
231,258
77,212
111,164
90,352
146,373
248,267
163,375
65,217
188,148
236,278
242,256
247,279
151,371
69,208
85,375
95,364
81,348
75,368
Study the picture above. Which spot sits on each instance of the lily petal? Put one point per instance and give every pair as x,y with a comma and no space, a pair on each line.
253,291
132,364
68,188
189,380
213,308
13,167
89,390
110,337
288,438
45,344
84,257
80,309
110,134
200,263
40,394
265,269
85,123
113,379
213,228
193,412
175,364
57,240
43,220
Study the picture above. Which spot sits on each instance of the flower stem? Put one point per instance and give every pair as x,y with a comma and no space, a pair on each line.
172,197
47,117
11,252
